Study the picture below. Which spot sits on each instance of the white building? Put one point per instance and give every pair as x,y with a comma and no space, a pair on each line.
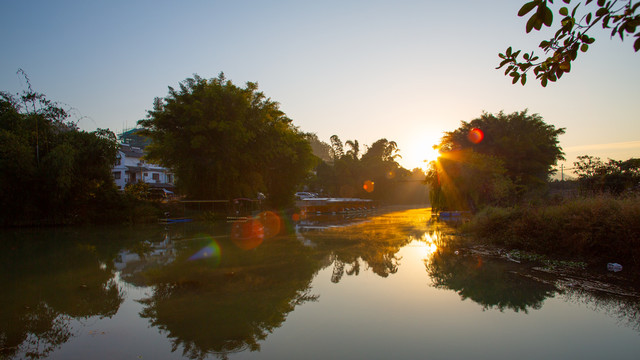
130,168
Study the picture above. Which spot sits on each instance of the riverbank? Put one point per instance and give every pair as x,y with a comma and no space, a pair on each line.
596,230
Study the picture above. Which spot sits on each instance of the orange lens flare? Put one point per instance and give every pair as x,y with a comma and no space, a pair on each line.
270,222
247,235
475,135
368,186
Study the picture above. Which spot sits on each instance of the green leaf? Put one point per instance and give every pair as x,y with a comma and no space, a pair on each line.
564,11
588,18
516,77
602,12
526,8
584,47
523,79
503,63
531,22
630,27
508,70
601,3
538,24
573,13
543,82
548,16
636,45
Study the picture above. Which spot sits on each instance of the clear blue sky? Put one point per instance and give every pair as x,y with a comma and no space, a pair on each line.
402,70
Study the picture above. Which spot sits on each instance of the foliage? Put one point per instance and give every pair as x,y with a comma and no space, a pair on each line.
348,172
51,172
138,190
224,141
468,180
613,177
512,157
598,229
571,38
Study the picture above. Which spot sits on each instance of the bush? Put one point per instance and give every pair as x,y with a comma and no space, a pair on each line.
597,229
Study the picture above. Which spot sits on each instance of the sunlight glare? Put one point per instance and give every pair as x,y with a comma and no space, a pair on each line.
424,246
432,155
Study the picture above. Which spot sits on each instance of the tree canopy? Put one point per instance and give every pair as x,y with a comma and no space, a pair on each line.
614,176
51,172
572,37
370,172
493,158
225,141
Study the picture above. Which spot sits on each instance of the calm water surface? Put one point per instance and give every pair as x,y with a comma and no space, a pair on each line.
389,286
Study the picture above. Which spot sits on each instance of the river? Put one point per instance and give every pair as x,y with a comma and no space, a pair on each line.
390,285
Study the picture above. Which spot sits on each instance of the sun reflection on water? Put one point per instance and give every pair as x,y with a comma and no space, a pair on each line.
424,246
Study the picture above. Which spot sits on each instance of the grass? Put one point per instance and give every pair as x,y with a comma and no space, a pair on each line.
597,229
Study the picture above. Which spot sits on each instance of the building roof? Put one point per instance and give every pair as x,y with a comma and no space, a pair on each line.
131,151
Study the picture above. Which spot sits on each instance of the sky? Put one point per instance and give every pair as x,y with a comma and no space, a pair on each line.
407,71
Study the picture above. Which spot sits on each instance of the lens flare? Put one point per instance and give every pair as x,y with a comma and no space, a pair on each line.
247,235
271,223
475,135
390,174
368,186
211,252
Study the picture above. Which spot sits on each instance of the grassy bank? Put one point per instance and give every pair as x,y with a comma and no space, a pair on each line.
596,230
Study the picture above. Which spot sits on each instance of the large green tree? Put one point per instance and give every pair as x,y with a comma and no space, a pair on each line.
50,171
467,180
508,153
224,141
572,37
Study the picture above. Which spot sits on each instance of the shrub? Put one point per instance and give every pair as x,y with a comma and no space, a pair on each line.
600,229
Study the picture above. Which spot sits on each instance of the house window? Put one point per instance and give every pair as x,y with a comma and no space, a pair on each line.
116,175
118,161
155,176
146,174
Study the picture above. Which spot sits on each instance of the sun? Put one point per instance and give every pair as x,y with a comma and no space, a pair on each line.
431,154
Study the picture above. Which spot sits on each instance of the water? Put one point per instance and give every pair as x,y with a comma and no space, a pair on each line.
387,286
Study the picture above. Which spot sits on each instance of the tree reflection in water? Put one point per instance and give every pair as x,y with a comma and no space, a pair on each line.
490,283
499,284
47,282
373,243
229,304
226,305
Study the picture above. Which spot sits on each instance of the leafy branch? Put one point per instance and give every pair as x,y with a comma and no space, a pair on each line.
571,38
